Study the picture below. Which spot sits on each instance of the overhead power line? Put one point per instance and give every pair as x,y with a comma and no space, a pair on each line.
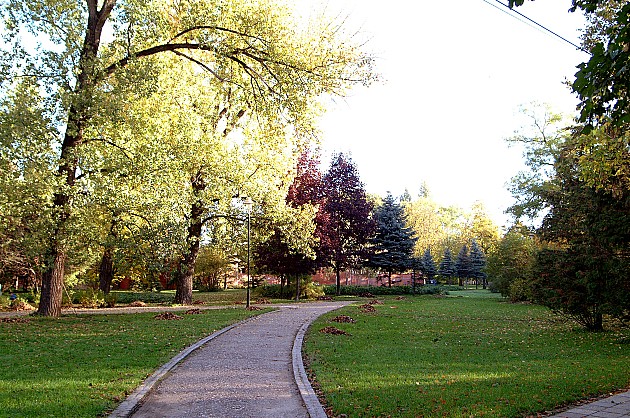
532,21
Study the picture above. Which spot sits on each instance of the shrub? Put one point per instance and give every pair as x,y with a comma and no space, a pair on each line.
110,299
89,298
308,290
382,290
147,297
312,291
520,290
5,302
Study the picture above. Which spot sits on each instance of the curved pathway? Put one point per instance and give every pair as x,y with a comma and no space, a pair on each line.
244,371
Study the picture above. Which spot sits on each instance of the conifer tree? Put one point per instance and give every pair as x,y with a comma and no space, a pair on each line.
477,264
447,266
393,242
428,265
462,264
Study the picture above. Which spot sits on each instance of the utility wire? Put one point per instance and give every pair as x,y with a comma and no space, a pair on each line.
534,22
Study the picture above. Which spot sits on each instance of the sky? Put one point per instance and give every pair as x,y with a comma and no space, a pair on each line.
454,76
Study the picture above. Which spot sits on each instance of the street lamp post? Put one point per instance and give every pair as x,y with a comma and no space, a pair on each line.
247,202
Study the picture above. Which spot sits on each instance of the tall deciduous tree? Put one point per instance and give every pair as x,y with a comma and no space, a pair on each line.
275,255
585,274
251,48
393,242
510,267
344,221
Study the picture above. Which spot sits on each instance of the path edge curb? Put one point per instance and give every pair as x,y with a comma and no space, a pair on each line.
311,401
133,401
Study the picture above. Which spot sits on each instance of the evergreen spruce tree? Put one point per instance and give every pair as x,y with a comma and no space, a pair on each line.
477,261
393,243
462,265
447,267
428,266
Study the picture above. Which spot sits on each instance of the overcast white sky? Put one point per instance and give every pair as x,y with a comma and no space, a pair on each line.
455,74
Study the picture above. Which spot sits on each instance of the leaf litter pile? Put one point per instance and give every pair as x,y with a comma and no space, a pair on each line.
168,316
333,331
194,311
343,319
367,308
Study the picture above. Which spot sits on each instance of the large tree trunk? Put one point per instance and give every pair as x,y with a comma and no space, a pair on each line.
338,274
106,271
183,294
78,117
52,287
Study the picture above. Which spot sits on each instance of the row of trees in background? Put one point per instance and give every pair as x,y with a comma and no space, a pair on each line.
128,128
356,231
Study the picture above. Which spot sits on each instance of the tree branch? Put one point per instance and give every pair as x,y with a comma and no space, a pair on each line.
219,28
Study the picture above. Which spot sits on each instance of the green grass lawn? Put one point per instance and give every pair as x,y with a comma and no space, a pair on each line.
84,365
461,357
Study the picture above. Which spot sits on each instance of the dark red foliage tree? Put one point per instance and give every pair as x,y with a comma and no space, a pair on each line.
344,221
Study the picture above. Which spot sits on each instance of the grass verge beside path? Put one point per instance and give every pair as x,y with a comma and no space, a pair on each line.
461,357
84,365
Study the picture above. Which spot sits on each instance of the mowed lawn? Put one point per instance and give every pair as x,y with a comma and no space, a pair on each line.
464,356
84,365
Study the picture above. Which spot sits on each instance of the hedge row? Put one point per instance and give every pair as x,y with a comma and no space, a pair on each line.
382,290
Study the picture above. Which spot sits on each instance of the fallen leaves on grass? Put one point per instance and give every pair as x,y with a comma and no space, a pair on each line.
324,298
263,301
168,316
343,319
194,311
367,308
14,320
375,302
137,304
333,331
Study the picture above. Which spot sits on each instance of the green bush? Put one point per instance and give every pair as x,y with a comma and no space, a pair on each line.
520,290
5,302
146,297
111,299
383,290
312,291
89,298
308,290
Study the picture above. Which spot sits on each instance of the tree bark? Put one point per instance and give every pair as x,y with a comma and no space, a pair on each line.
52,287
183,294
338,274
78,116
106,271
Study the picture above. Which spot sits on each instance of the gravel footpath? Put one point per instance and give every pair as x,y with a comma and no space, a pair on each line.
245,371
